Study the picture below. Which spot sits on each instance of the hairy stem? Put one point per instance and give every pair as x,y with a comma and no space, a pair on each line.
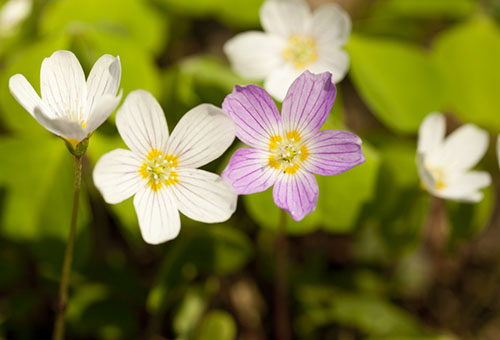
282,321
68,257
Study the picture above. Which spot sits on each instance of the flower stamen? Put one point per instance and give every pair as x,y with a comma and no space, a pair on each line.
288,153
300,51
159,170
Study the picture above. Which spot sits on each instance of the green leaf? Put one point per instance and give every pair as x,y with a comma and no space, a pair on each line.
427,8
129,19
38,176
467,56
397,80
218,325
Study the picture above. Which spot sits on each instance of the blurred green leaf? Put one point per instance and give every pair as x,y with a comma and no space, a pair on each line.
398,81
190,311
467,56
132,20
240,14
38,176
426,8
218,325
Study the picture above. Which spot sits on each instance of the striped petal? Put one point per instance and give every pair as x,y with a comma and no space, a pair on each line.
248,171
104,79
203,196
332,152
102,109
116,175
158,216
62,127
255,114
141,123
308,103
63,86
26,95
202,135
297,193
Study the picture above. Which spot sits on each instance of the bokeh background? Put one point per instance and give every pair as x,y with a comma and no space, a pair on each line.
379,259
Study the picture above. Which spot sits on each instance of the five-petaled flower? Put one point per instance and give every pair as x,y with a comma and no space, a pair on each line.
288,149
444,164
161,171
71,107
295,40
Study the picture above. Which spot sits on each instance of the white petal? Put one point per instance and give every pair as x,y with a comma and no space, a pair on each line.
431,133
62,127
104,79
117,176
279,81
284,18
13,13
103,108
63,86
26,95
466,187
202,135
158,216
141,123
462,149
330,25
204,196
253,55
333,60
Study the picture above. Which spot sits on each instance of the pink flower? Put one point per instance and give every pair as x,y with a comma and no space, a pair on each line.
288,149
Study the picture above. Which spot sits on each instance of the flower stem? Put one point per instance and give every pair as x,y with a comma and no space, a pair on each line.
281,287
68,257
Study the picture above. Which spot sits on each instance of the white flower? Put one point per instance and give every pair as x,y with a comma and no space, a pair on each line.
71,107
444,164
13,14
161,171
294,40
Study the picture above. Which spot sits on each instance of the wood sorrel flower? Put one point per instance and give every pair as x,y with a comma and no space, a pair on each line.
71,107
294,40
161,170
288,149
444,164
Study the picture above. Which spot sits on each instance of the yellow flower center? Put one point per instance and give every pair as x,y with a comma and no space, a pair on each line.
300,51
159,170
287,153
439,178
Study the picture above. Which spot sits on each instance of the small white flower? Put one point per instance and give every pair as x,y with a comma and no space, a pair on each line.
444,164
12,14
295,40
161,171
71,107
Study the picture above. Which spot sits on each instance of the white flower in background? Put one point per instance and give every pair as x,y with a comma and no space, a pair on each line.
12,14
295,40
71,107
161,171
444,163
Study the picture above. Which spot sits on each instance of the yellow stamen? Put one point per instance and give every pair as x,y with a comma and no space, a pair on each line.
301,51
292,169
274,141
273,162
303,153
159,170
293,136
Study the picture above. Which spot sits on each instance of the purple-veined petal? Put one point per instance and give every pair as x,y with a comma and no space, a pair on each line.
254,55
284,17
331,59
297,193
63,86
308,103
157,213
141,123
26,95
202,135
332,152
248,171
116,175
62,127
280,80
203,196
330,25
255,114
102,109
104,79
